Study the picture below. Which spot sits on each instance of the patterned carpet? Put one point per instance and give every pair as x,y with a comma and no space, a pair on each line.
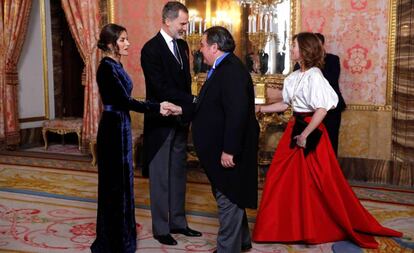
53,210
68,149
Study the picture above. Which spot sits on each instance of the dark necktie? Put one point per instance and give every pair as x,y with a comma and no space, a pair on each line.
177,53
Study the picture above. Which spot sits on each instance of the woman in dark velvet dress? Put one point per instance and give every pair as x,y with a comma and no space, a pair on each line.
115,226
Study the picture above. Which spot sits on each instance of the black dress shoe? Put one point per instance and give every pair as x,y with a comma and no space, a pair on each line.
165,239
246,247
243,248
186,231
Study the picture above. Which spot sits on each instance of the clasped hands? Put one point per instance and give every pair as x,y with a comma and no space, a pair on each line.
167,108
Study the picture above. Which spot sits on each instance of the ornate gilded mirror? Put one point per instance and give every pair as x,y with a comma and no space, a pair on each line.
262,30
268,32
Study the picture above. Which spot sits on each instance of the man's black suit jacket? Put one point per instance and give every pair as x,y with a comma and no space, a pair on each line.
225,120
165,80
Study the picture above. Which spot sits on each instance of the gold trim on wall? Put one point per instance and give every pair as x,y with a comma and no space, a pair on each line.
111,11
392,27
44,59
295,21
32,119
380,108
295,27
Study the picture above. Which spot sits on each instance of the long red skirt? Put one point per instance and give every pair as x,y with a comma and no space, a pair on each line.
308,200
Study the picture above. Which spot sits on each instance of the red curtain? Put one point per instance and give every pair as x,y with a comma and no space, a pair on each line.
14,16
83,19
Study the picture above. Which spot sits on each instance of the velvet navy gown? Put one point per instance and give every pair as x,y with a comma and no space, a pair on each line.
115,226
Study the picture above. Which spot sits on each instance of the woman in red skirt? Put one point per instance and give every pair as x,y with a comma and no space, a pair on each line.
306,198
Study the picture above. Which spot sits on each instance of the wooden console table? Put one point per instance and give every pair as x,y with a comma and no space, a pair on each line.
63,126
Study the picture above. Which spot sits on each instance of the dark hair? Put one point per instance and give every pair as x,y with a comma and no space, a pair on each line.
110,33
221,36
171,10
310,49
321,37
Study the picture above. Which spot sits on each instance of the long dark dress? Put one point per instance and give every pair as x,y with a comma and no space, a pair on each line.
115,226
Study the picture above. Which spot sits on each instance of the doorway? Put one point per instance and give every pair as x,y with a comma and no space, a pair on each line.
67,73
67,67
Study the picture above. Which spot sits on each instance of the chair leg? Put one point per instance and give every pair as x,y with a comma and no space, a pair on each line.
44,133
92,147
79,139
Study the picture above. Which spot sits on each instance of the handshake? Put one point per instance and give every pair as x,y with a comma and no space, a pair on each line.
167,108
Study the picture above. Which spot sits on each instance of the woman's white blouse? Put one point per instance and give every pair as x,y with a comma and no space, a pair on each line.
308,91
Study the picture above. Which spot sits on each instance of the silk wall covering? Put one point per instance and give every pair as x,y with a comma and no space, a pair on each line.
357,31
142,19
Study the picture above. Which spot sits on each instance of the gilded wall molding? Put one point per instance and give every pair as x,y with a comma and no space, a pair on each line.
378,108
272,81
295,20
111,11
33,119
392,27
44,58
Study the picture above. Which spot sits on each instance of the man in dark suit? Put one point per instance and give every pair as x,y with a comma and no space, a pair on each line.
331,71
225,136
165,62
280,62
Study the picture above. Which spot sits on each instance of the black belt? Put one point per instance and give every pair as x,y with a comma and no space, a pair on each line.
303,114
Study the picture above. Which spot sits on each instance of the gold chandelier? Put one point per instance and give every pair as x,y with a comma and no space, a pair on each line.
262,6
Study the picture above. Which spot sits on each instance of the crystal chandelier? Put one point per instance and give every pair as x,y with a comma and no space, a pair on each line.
262,6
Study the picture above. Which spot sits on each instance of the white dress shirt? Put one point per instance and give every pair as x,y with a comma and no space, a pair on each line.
308,91
169,40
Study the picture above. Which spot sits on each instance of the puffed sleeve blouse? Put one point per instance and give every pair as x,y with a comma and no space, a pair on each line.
309,90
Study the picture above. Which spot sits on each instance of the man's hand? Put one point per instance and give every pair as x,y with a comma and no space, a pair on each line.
227,160
164,111
174,109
